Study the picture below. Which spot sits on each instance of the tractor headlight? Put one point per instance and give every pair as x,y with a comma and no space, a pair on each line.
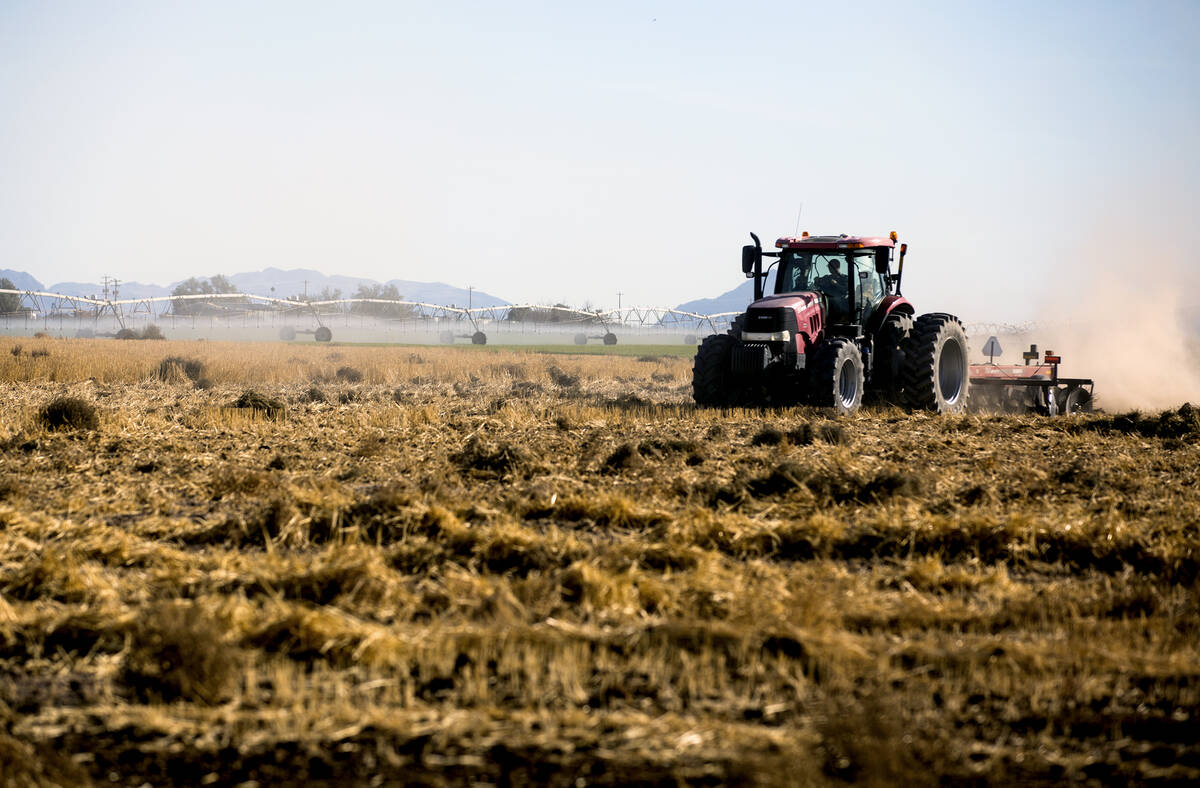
762,336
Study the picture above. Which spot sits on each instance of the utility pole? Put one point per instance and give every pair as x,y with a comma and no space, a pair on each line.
619,294
469,289
305,289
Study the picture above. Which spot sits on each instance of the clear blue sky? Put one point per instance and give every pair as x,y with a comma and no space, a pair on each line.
557,151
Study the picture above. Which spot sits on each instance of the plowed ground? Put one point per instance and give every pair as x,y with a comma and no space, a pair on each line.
449,566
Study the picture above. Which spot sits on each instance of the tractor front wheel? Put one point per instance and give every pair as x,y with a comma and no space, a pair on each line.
712,382
936,374
837,376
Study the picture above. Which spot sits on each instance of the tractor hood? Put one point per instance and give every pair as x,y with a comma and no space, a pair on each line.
797,301
793,317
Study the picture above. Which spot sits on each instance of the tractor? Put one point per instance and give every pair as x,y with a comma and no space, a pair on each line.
836,329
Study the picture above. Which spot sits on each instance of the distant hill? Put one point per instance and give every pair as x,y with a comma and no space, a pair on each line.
440,293
293,282
299,281
735,300
20,280
124,290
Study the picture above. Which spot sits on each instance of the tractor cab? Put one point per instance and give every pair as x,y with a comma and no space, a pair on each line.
830,273
850,273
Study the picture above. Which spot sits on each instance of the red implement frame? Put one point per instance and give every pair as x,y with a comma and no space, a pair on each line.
1042,377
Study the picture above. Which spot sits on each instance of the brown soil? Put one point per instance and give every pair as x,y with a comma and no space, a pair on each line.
499,567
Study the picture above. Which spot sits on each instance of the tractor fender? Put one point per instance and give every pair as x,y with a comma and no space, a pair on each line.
890,304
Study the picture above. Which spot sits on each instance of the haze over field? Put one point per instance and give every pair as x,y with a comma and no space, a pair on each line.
563,153
1132,333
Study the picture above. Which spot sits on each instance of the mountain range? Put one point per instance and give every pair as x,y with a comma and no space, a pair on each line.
735,300
275,282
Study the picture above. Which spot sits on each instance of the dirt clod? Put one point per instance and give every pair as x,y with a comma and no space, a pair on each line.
69,413
268,406
624,457
767,436
483,455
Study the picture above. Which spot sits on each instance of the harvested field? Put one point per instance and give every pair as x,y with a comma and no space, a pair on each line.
370,565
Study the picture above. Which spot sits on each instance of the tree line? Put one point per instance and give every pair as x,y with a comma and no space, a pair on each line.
220,285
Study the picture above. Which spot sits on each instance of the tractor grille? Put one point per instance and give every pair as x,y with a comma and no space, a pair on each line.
750,359
769,320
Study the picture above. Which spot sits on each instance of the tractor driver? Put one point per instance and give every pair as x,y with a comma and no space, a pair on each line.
834,282
833,285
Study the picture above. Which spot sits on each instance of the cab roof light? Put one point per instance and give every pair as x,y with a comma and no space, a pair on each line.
804,234
892,235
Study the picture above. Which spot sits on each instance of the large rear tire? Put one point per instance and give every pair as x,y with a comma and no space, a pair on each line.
837,376
713,384
936,373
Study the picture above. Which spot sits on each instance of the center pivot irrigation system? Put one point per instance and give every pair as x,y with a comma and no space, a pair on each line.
457,323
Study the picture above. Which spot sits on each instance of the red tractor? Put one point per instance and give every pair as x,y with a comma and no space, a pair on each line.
835,328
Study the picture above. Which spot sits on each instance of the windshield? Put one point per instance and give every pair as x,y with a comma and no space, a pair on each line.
826,271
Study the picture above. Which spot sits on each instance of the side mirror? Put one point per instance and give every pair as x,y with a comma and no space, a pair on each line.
751,259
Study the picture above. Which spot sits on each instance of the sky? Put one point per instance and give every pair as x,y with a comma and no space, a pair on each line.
562,152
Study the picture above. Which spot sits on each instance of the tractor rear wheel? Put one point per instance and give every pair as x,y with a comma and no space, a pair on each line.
936,373
887,370
712,382
837,376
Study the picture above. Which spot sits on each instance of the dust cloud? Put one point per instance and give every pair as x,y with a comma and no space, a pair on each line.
1135,334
